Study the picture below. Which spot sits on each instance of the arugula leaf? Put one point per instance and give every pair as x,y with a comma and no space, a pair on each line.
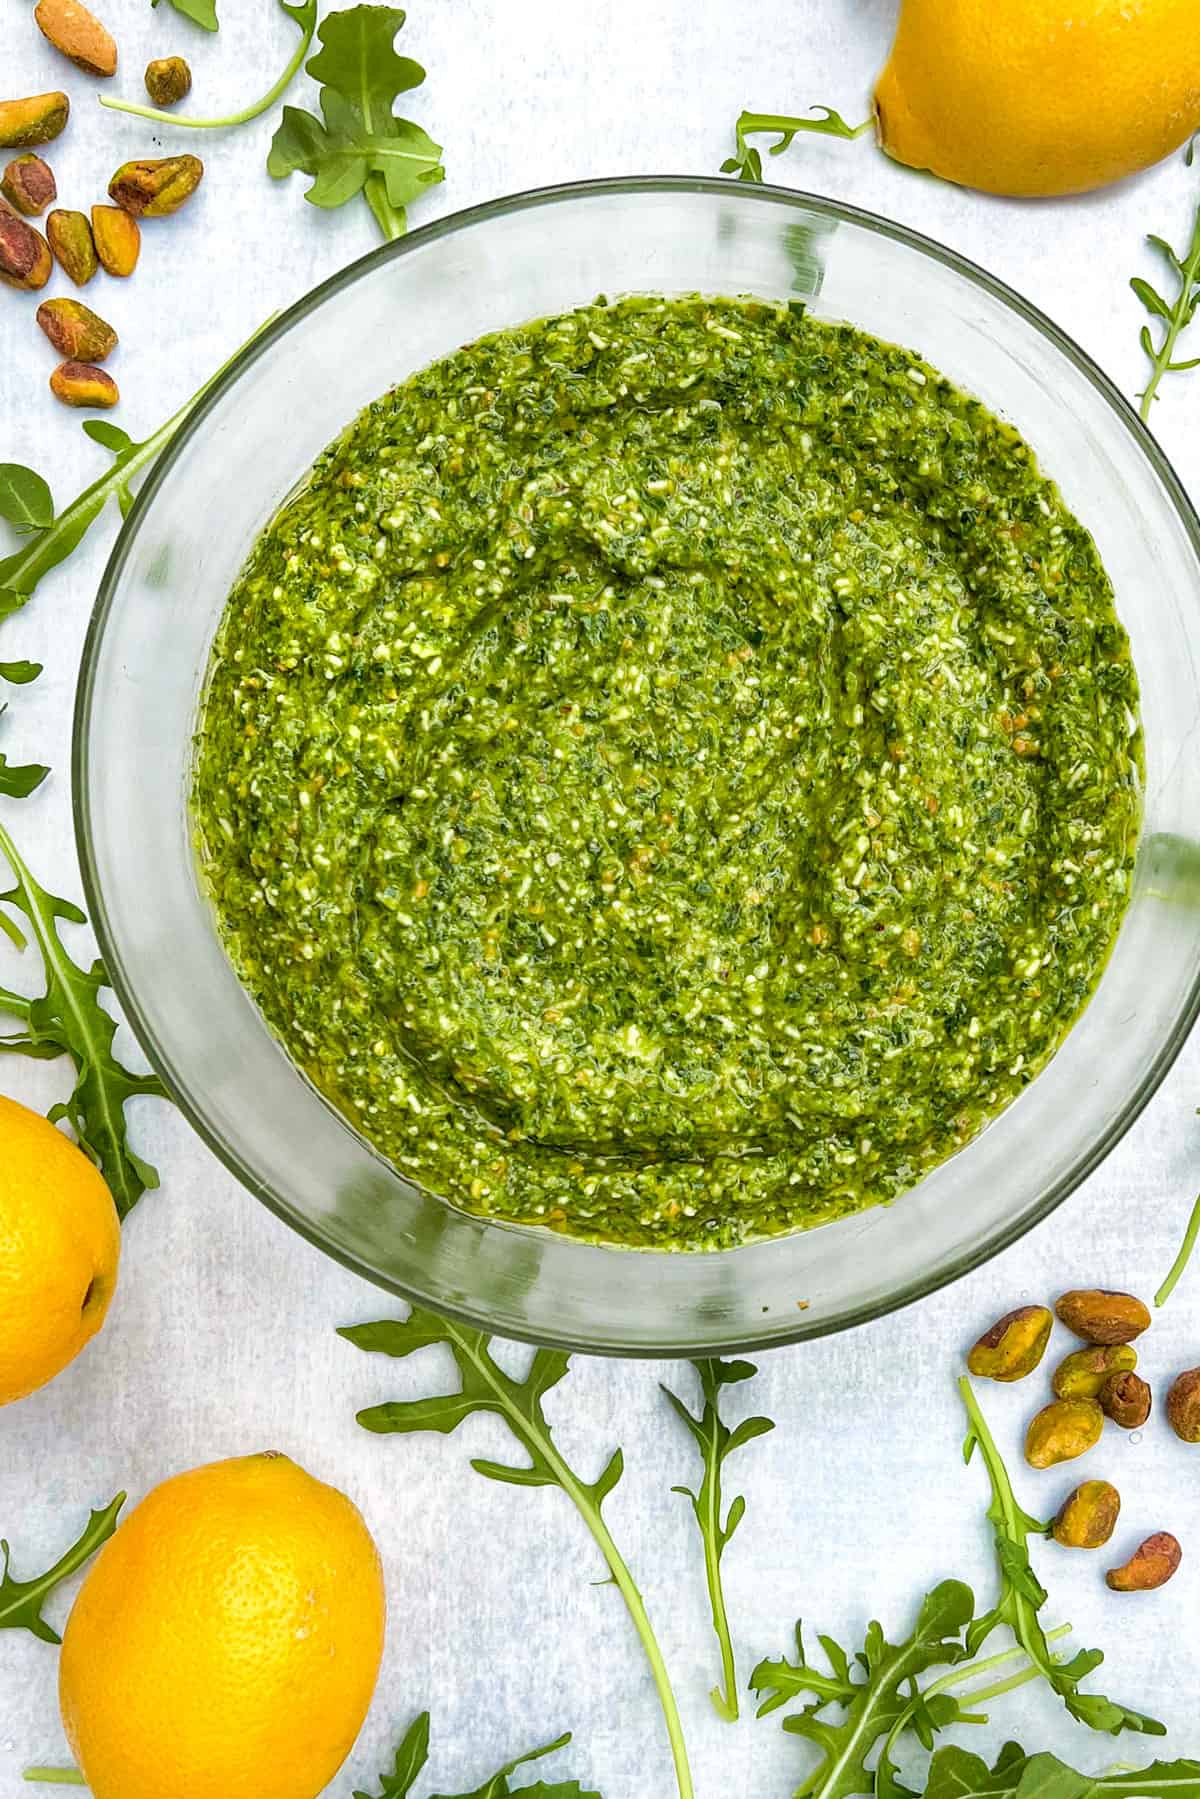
413,1753
716,1441
21,1601
200,12
1182,1259
48,545
1173,316
25,498
361,147
955,1773
69,1020
19,781
411,1757
875,1693
1022,1595
485,1387
497,1786
304,13
746,163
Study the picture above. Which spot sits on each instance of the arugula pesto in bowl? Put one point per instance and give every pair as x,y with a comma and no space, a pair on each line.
672,773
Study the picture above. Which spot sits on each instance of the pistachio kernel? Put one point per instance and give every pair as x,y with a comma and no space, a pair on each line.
153,189
71,240
35,120
1100,1316
1183,1406
79,384
76,331
28,184
25,259
1085,1372
1088,1516
168,80
1127,1400
77,34
118,239
1014,1345
1062,1430
1151,1565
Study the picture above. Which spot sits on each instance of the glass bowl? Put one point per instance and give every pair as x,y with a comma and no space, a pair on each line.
226,473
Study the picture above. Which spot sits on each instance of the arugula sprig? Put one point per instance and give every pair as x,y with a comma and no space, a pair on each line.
359,145
21,1601
413,1754
879,1698
746,162
1172,316
485,1387
1022,1594
50,539
716,1442
305,16
874,1692
955,1773
68,1019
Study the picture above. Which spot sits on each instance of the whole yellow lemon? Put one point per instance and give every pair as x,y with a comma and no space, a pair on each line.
226,1641
60,1243
1040,96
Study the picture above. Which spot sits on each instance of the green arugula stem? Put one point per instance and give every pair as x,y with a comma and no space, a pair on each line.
525,1430
306,18
724,1696
1182,1259
58,1777
982,1695
391,221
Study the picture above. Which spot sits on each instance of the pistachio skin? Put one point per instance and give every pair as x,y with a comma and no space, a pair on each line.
28,184
168,80
1099,1315
71,240
1151,1565
79,384
118,239
1014,1345
1088,1516
38,119
1086,1372
1183,1406
1062,1431
1127,1400
77,333
154,189
25,259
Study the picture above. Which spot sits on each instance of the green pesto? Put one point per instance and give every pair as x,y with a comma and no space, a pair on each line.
673,772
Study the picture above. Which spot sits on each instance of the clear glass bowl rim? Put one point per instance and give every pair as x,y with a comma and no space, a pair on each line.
267,339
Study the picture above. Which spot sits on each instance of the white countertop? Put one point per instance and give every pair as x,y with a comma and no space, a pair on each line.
221,1340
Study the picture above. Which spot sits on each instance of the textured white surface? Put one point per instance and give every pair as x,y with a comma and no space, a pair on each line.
221,1340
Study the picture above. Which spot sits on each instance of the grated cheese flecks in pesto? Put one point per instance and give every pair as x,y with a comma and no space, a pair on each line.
673,772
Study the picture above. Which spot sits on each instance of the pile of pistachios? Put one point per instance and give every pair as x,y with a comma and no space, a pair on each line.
1091,1385
111,239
